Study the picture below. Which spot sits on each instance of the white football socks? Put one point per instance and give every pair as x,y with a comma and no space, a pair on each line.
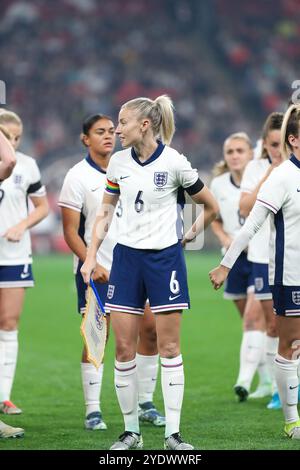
288,383
250,355
8,362
91,383
172,382
271,351
147,370
126,385
262,368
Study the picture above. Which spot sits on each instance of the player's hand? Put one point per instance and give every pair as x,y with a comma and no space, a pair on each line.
100,274
87,268
218,276
15,233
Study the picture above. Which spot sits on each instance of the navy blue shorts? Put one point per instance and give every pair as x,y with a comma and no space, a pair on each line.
82,288
240,279
261,281
286,300
158,275
16,276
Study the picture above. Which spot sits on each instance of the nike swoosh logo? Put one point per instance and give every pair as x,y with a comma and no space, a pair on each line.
121,386
292,388
172,385
123,177
24,275
96,189
173,298
94,383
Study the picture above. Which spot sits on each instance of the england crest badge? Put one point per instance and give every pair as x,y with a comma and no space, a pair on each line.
259,283
160,178
296,297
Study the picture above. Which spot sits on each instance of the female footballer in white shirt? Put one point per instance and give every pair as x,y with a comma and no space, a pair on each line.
15,252
254,175
148,260
7,164
82,190
279,198
239,286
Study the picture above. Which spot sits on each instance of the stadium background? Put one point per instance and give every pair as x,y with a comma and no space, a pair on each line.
226,64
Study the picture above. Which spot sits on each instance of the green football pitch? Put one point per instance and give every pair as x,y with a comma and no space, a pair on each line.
48,384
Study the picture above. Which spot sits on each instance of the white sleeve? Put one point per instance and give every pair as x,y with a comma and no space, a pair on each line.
35,187
256,218
249,180
272,192
72,193
112,185
186,175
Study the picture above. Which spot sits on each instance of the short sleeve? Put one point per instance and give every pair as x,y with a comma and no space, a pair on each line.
249,180
72,193
188,177
272,192
35,187
112,186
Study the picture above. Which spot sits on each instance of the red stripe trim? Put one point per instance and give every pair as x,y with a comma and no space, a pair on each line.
169,305
175,365
125,370
123,306
274,209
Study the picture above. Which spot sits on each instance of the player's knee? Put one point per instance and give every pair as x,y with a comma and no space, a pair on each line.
8,323
271,330
125,351
169,350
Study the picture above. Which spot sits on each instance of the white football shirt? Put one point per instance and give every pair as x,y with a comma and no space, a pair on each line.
258,250
24,182
281,195
149,193
227,194
82,191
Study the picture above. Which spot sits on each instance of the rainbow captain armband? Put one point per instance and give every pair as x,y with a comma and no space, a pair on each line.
112,188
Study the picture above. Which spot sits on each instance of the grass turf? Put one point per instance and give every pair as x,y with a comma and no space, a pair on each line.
48,384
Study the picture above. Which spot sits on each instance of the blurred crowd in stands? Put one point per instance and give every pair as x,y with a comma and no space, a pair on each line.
225,63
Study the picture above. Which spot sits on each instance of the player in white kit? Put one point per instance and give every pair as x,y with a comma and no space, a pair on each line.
7,164
148,260
255,174
239,286
15,252
81,193
278,199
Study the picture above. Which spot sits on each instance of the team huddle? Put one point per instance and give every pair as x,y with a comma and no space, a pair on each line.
131,245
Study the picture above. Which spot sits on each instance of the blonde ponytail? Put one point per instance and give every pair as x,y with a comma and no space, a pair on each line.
220,168
160,112
167,126
290,126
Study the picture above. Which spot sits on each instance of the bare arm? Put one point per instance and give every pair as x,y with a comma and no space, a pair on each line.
71,222
41,210
222,236
7,157
206,198
100,229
